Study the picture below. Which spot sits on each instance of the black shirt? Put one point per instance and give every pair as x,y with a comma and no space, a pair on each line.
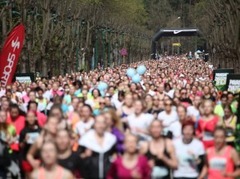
71,163
32,134
5,158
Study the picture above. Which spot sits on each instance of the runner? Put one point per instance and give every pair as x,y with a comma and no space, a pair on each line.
97,146
160,152
190,153
172,90
50,167
207,124
222,160
130,164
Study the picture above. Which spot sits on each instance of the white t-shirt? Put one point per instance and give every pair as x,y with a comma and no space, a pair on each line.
170,93
193,111
49,106
83,127
90,102
47,94
152,93
115,102
2,92
170,123
142,122
167,119
20,94
186,165
175,128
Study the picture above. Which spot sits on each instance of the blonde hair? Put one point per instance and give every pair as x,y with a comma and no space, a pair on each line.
116,120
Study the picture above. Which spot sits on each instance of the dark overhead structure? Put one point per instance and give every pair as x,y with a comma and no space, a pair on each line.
171,33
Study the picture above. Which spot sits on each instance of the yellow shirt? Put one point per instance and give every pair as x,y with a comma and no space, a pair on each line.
232,121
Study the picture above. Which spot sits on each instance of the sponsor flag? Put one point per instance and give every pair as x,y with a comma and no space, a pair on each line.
10,54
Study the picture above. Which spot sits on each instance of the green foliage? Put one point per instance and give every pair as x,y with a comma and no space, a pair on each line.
63,33
219,22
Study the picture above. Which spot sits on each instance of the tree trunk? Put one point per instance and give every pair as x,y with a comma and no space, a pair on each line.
4,25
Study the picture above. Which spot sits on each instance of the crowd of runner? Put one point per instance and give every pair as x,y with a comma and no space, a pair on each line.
172,124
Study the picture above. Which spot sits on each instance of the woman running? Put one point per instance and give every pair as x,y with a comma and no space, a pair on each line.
222,160
229,122
207,124
160,152
131,164
50,168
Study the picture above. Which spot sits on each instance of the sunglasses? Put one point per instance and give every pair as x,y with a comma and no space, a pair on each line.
101,103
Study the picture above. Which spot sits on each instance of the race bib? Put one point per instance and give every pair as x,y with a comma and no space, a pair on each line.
207,136
32,137
159,172
229,132
218,164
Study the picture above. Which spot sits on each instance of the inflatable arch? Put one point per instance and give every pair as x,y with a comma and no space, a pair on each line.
171,33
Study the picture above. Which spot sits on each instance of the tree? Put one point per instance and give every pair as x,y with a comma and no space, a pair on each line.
61,34
219,22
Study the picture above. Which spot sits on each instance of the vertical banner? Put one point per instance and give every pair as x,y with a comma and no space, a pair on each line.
220,78
233,83
10,54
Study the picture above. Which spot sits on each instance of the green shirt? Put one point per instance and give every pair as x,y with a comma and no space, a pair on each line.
219,110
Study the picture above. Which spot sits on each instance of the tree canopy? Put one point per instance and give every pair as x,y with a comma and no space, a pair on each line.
67,35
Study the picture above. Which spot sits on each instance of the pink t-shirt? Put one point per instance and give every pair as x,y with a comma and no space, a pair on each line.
41,119
118,170
219,163
18,123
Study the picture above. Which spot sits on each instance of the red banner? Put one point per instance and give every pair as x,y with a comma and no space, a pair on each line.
10,54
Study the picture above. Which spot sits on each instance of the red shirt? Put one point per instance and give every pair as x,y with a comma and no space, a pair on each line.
41,119
219,163
19,124
118,170
205,131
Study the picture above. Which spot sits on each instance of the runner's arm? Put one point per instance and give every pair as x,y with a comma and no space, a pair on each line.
235,158
203,172
31,153
172,160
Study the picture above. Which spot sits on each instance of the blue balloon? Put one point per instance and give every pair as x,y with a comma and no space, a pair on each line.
141,69
64,108
136,78
102,93
131,72
102,86
105,85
